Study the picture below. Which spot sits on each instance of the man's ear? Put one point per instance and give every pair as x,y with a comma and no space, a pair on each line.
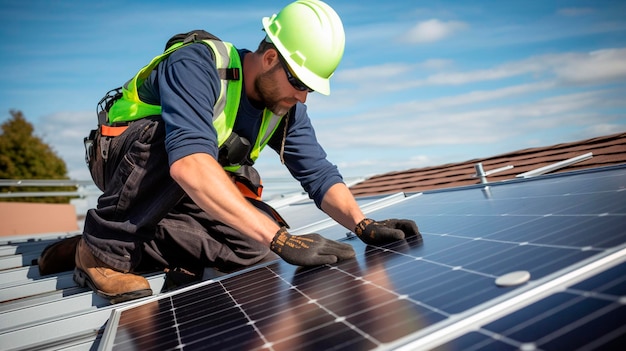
270,58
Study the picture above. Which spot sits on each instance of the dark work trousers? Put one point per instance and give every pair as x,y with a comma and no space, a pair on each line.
144,220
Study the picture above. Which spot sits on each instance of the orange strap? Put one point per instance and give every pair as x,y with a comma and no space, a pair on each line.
112,131
245,191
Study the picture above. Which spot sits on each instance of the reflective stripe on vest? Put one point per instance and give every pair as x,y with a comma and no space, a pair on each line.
130,108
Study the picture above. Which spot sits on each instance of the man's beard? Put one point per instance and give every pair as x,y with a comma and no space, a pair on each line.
269,93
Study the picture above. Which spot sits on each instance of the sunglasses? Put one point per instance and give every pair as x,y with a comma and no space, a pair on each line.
295,82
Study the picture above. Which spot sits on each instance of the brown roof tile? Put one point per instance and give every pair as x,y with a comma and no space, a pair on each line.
607,150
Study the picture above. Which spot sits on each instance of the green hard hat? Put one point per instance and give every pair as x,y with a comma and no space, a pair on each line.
309,35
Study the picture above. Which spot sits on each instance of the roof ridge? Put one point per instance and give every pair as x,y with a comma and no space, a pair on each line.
607,150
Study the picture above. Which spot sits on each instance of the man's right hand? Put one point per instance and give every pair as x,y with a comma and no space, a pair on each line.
309,249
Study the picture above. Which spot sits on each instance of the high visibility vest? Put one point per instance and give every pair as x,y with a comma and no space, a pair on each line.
130,107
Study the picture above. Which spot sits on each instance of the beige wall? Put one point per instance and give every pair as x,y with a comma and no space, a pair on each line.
18,218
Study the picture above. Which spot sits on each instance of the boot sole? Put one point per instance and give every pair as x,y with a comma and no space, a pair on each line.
82,279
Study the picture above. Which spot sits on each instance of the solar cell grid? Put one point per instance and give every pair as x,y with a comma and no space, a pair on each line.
587,316
390,295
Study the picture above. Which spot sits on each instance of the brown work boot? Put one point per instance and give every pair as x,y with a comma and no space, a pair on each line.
111,284
58,257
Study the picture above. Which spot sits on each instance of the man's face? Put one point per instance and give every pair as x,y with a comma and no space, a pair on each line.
275,91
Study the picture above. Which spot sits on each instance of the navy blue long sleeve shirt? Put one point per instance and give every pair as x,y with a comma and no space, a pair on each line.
187,85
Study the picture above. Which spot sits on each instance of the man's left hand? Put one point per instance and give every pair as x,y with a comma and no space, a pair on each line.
374,232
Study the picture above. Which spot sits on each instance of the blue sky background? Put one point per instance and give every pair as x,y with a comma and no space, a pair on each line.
421,82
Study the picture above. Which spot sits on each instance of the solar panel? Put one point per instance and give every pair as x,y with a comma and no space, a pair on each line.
562,230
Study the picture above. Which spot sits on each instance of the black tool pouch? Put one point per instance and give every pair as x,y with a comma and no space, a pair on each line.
235,151
94,155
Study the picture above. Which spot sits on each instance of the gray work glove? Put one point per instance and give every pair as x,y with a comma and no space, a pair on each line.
309,249
374,232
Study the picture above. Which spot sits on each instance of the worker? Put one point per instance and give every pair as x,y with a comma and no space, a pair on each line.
174,151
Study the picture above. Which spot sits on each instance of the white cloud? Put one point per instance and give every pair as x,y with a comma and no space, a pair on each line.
474,97
389,71
573,68
602,129
574,11
453,121
373,73
367,167
458,78
600,66
433,30
436,64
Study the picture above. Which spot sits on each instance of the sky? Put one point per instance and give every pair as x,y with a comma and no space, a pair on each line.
421,83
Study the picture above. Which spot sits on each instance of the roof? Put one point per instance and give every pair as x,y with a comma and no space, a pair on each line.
607,150
51,312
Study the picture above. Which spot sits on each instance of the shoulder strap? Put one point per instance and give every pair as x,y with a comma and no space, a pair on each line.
193,36
196,36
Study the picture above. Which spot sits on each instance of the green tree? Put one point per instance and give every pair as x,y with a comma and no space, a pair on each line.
25,156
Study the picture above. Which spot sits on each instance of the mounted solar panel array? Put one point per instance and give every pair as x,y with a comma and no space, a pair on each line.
567,232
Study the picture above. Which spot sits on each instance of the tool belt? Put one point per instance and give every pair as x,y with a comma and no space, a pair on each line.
98,140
